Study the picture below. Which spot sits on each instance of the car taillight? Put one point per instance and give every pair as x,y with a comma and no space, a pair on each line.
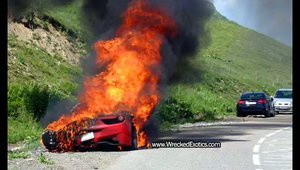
241,102
261,101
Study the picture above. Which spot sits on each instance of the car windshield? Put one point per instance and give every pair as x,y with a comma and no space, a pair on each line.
253,96
284,94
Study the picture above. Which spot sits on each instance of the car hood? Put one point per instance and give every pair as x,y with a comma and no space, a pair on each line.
283,100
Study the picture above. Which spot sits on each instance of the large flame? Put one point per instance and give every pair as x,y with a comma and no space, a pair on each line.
131,75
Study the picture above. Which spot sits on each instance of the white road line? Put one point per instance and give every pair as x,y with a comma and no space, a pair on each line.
277,157
270,134
277,166
261,140
256,148
281,162
256,160
277,131
270,151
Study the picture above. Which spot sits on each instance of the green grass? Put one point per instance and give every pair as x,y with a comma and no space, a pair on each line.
42,159
22,127
243,54
18,155
70,17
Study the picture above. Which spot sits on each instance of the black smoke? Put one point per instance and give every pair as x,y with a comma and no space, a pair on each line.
55,110
103,18
191,17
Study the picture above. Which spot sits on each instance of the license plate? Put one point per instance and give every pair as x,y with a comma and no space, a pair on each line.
284,108
87,136
249,103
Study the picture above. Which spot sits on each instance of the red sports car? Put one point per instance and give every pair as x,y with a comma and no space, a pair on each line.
110,130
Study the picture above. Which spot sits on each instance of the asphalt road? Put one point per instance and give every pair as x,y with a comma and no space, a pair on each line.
252,143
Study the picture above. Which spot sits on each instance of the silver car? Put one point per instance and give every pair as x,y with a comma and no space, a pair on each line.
283,101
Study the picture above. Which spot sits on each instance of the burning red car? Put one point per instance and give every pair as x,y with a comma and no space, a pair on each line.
128,79
107,130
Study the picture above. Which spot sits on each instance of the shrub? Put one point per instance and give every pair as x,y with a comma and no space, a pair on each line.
36,100
174,111
15,100
209,115
30,99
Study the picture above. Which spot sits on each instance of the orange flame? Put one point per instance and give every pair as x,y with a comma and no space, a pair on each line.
130,80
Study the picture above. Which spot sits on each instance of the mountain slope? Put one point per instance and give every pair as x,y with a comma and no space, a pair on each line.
43,67
236,60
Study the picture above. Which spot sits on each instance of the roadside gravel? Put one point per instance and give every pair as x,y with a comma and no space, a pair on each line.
64,161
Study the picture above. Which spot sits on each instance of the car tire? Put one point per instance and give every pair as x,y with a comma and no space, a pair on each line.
268,114
273,114
240,115
134,143
49,140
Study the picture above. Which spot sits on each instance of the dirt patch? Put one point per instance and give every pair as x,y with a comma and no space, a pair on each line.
53,41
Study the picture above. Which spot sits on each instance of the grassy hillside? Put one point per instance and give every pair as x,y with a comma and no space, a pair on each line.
237,60
40,70
70,17
207,87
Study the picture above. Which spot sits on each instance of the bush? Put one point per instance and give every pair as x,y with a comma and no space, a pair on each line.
15,100
36,100
31,99
174,111
27,103
209,115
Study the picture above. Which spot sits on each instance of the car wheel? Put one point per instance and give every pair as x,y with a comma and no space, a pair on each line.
267,114
134,143
273,114
240,115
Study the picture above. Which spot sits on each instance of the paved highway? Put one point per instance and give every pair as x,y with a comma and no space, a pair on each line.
259,143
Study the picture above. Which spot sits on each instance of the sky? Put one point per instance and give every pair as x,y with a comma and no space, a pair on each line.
270,17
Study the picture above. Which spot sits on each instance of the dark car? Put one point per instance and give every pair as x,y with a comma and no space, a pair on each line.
103,132
255,103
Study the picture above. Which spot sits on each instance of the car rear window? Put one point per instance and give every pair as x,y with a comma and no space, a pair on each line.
253,96
284,94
